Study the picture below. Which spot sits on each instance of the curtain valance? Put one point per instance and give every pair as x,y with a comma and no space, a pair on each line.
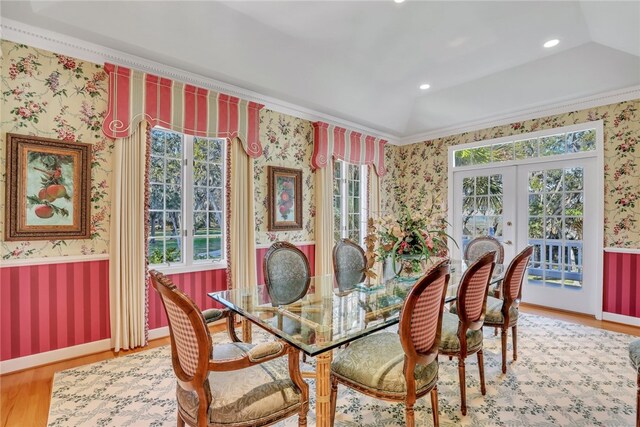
135,96
343,144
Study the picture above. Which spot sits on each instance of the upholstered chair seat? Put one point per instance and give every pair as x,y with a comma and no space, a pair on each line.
247,396
449,341
212,314
375,362
493,314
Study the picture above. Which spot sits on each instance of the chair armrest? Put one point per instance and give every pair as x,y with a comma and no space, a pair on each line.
259,354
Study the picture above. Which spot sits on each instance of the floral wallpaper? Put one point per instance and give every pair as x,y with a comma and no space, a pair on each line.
55,96
286,141
388,192
422,168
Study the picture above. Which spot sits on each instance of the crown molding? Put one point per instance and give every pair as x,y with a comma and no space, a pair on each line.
605,98
44,39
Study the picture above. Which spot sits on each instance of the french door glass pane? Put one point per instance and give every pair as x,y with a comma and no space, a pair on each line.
556,210
482,206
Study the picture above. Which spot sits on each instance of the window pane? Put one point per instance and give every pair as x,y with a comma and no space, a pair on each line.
209,176
172,223
581,141
526,149
502,152
463,157
481,155
552,145
165,198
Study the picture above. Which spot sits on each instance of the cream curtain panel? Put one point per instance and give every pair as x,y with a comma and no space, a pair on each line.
127,262
242,234
324,220
374,208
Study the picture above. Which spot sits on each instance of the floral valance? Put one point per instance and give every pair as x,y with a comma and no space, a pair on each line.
135,96
350,146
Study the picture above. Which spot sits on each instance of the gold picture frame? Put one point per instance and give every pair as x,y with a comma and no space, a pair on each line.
48,193
284,198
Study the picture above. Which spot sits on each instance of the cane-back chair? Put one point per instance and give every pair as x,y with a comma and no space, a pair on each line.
233,384
502,312
462,326
403,366
286,273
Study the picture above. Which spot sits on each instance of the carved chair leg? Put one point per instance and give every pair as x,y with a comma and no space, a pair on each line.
514,338
463,386
180,420
334,397
409,415
504,349
483,388
434,406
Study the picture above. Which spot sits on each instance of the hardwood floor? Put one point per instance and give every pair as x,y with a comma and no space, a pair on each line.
25,395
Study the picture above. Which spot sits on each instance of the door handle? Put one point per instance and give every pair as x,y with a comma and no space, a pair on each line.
508,242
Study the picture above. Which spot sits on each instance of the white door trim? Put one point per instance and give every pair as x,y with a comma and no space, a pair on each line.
598,153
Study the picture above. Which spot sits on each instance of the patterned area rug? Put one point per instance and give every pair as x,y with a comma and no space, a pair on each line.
566,375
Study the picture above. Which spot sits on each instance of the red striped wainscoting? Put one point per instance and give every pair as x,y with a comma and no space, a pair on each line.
622,283
52,306
308,250
196,284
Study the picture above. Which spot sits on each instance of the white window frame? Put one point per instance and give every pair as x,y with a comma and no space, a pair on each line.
364,200
188,264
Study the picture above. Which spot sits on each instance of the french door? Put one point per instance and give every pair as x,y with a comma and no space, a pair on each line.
550,205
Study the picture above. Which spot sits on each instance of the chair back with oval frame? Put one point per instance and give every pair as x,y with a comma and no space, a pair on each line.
481,245
286,273
349,264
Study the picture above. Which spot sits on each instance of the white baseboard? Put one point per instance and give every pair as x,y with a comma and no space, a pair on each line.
619,318
52,356
159,333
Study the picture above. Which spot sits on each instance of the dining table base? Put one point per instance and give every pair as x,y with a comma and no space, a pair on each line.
323,389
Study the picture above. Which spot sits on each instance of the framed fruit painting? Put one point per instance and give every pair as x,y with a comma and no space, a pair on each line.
48,189
284,198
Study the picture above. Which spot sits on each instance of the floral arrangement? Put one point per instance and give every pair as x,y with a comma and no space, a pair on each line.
411,238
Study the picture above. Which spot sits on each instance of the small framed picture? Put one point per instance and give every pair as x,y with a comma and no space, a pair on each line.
284,198
48,190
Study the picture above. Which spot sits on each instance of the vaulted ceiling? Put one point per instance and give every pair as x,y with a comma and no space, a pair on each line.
364,60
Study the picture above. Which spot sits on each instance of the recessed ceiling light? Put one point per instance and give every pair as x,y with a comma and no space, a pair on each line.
425,86
551,43
399,1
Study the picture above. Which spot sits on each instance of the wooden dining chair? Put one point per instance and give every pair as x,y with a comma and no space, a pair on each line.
634,356
286,273
232,384
349,264
480,246
403,366
502,312
462,326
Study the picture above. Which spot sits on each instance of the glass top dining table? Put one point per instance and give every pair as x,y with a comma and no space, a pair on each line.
331,313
